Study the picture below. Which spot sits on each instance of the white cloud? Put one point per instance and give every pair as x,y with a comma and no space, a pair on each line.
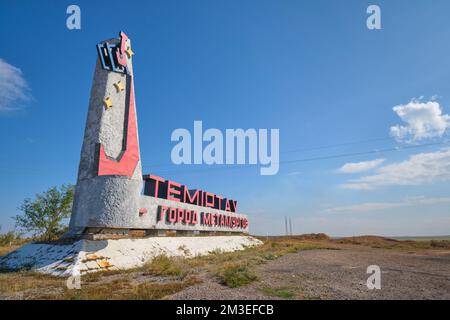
418,169
353,167
423,120
14,90
375,206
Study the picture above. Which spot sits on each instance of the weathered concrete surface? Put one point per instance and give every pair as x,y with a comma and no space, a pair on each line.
85,256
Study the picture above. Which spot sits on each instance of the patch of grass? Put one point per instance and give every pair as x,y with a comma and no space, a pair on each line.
163,265
235,275
152,290
124,289
31,285
442,244
16,282
7,249
270,256
284,292
300,237
106,291
387,243
7,239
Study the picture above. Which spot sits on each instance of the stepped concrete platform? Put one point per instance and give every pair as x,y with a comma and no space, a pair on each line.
84,256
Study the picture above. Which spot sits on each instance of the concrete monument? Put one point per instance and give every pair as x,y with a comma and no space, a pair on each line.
119,215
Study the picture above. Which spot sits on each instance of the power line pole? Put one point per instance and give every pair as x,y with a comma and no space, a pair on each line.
286,225
290,225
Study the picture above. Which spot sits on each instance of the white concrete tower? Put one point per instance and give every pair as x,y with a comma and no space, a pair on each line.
109,175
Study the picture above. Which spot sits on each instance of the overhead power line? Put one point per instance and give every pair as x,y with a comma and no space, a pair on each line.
336,145
366,152
311,159
330,146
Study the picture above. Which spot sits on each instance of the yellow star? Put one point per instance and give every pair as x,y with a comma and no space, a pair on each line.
129,52
107,103
119,86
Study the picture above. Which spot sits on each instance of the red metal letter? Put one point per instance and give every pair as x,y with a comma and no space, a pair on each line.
121,58
171,191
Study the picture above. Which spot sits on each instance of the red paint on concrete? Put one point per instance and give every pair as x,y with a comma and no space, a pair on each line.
126,164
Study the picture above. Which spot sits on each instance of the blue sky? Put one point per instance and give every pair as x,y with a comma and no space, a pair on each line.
310,68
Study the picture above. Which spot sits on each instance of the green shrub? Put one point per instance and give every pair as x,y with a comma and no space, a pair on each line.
163,265
235,275
7,238
43,216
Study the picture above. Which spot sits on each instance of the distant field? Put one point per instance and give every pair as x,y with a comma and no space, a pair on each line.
427,238
410,238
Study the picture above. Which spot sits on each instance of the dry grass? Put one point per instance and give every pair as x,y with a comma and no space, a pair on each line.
8,245
124,289
164,275
163,265
283,292
7,249
235,274
387,243
26,283
30,285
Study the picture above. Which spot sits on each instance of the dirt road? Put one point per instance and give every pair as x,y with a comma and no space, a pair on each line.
339,274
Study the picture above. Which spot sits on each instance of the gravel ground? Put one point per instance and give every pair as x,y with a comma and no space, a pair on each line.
339,274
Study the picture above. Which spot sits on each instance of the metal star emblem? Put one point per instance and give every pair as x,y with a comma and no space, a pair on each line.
129,52
107,103
119,86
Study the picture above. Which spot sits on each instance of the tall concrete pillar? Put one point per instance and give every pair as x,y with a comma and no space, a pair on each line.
109,176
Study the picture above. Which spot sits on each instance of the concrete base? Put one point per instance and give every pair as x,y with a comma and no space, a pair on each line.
85,256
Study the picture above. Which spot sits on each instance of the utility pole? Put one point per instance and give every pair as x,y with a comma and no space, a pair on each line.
286,225
290,225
